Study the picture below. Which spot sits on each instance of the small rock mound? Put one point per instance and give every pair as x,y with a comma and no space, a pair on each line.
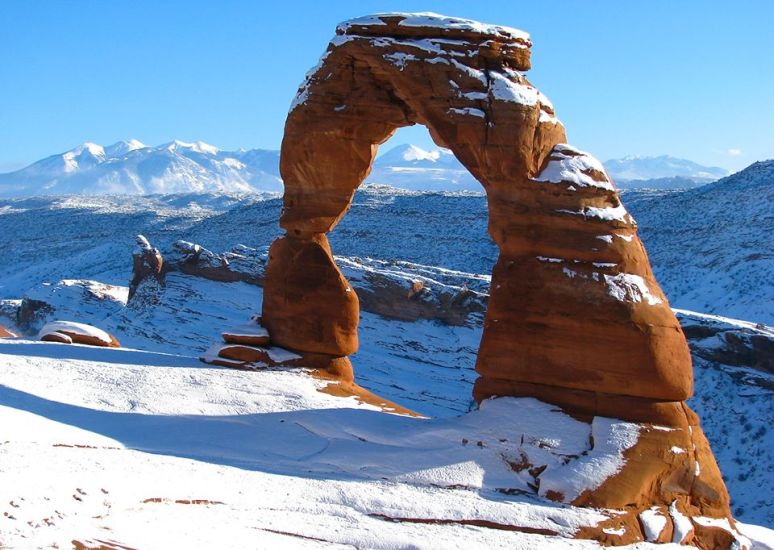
147,273
68,332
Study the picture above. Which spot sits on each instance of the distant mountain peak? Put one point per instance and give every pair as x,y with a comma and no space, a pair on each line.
637,167
123,147
86,147
196,146
131,167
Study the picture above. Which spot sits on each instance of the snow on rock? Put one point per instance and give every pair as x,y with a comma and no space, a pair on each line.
627,287
503,88
566,164
611,438
79,333
682,525
429,20
653,523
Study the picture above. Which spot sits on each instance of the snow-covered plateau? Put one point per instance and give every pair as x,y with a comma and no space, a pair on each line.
145,446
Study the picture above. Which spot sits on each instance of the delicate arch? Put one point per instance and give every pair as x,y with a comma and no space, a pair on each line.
575,316
573,305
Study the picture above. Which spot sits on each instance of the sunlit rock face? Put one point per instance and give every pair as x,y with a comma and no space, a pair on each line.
575,318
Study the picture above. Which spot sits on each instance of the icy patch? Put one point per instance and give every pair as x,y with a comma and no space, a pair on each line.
626,287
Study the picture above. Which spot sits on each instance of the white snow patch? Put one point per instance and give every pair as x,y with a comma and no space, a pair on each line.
682,525
469,111
612,437
566,164
504,89
627,287
653,523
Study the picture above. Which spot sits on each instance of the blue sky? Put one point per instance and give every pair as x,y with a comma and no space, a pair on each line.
692,79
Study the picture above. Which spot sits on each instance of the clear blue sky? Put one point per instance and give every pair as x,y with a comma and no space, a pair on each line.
693,79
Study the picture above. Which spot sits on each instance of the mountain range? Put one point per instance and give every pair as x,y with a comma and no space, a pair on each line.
133,168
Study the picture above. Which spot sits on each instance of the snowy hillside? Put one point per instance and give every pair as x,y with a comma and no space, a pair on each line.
426,365
668,172
130,167
711,247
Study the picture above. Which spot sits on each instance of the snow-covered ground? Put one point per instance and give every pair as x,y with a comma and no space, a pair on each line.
301,480
153,450
428,366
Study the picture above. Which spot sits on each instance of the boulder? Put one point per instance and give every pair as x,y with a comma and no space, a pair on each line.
77,333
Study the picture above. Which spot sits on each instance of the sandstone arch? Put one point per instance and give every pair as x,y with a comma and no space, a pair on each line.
575,316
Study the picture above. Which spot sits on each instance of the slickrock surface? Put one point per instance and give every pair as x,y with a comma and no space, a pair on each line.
575,315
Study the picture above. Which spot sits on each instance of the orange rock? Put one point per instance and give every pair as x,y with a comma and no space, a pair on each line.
249,335
78,333
308,305
56,337
5,333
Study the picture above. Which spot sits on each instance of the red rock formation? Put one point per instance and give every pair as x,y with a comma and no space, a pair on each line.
5,333
147,267
575,316
68,332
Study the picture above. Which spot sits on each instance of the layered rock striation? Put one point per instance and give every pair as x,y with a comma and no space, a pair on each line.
575,316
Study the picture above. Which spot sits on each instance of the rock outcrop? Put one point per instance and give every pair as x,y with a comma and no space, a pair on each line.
68,332
394,290
5,333
575,316
147,273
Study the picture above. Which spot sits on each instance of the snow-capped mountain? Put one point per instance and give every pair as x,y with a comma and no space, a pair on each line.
416,169
131,167
662,172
